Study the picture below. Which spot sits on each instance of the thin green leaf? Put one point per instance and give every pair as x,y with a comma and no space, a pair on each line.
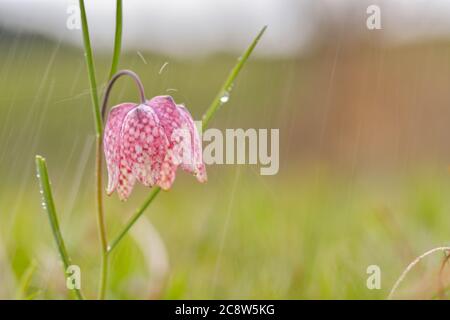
224,93
91,69
49,206
117,40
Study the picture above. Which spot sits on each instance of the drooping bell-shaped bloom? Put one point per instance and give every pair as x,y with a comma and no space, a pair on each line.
147,142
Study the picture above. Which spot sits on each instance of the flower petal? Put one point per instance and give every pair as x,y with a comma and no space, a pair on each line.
171,120
184,141
111,140
143,144
195,165
126,180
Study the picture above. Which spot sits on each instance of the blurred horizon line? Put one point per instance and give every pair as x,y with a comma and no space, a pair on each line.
199,27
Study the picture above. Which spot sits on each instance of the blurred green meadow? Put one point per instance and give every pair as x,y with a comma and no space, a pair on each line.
356,186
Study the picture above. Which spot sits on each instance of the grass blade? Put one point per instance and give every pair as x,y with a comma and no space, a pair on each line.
412,265
117,40
224,92
49,206
91,69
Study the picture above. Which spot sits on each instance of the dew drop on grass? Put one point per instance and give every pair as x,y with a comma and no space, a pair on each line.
225,97
41,191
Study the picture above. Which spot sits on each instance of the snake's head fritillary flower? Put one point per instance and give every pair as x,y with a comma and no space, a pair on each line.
147,142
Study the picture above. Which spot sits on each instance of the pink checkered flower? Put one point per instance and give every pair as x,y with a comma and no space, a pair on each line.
147,142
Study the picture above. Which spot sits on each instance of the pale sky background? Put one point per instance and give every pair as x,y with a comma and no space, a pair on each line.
196,27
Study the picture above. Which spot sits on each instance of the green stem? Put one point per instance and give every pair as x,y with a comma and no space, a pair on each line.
99,130
91,69
210,112
117,40
101,219
103,275
99,154
49,206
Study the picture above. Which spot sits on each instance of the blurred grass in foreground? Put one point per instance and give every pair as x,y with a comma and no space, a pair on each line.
308,235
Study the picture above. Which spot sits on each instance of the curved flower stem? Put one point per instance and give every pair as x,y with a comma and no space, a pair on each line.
210,112
411,265
117,39
111,83
49,206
